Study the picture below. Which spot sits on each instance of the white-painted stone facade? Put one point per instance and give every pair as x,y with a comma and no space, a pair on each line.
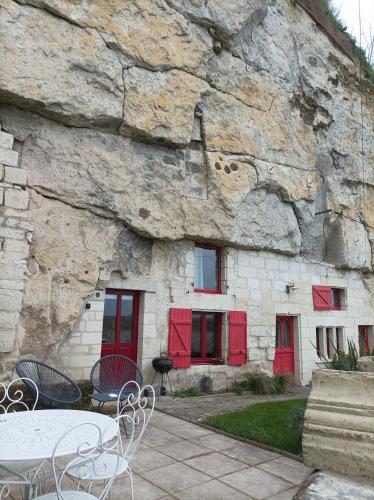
15,237
255,282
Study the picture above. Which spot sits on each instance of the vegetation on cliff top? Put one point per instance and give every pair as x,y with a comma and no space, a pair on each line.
332,14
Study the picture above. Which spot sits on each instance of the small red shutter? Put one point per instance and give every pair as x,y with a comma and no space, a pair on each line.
237,338
180,328
322,297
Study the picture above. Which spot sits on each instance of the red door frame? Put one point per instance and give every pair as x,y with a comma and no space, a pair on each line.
129,349
363,331
284,361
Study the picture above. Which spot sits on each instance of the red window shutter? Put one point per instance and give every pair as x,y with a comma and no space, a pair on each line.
180,328
322,297
237,338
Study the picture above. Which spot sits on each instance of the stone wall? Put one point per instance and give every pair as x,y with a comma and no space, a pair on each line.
154,121
15,237
255,282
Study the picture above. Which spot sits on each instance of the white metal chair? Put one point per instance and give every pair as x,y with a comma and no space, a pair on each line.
22,474
134,413
11,401
87,465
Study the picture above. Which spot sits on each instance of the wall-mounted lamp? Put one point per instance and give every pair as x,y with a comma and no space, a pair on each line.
291,287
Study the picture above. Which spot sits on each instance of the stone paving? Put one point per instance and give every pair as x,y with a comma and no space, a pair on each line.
180,460
199,408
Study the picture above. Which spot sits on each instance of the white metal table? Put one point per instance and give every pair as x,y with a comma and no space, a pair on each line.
33,435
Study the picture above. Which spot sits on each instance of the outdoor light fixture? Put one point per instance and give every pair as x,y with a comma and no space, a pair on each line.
291,287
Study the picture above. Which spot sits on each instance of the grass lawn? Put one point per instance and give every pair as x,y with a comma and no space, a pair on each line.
272,423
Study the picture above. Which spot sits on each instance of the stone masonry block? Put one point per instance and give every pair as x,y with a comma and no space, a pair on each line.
10,300
1,171
16,246
15,176
8,320
263,342
1,196
7,338
16,198
6,140
8,157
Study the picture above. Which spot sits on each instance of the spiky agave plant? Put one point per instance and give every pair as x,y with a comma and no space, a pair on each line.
345,361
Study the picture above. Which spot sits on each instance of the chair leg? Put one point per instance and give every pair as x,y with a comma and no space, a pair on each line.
129,473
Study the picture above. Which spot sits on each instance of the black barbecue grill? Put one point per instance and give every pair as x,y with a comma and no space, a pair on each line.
162,367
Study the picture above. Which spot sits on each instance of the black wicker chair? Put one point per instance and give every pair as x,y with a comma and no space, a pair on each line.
109,374
56,390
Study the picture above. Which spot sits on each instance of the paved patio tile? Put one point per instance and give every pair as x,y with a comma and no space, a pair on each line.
215,442
150,459
154,436
285,495
176,477
294,463
182,450
143,489
288,471
251,455
212,490
187,430
215,464
255,482
164,421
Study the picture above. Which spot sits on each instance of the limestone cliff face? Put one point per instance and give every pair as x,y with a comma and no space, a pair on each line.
235,122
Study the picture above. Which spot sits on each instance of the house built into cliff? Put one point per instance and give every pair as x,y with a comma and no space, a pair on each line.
174,181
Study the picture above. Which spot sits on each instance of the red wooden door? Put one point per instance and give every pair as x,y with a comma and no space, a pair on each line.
120,323
284,346
363,340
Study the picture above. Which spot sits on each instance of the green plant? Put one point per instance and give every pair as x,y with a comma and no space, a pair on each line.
346,361
260,383
188,392
239,387
280,383
332,14
296,423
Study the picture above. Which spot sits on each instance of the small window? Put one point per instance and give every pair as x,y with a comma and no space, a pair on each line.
319,341
207,269
339,339
330,346
206,337
336,302
327,298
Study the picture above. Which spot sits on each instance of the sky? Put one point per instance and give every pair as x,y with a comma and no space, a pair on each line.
349,14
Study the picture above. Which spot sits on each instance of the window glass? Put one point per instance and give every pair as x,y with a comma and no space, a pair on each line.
196,336
363,340
335,298
277,334
127,316
109,321
330,343
206,268
318,341
211,335
286,334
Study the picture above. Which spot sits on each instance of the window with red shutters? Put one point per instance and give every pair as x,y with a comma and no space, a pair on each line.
322,297
328,298
237,338
180,327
